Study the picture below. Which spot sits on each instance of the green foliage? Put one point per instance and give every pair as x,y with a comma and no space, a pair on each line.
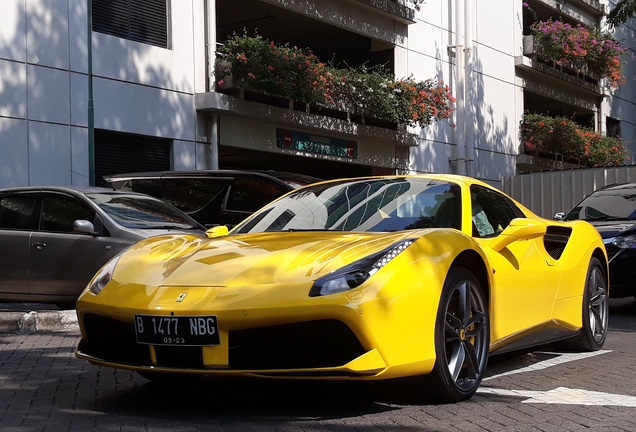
622,11
560,136
255,63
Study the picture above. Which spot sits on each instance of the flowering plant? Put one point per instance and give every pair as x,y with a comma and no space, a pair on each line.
600,150
253,62
561,136
256,63
422,101
375,93
582,49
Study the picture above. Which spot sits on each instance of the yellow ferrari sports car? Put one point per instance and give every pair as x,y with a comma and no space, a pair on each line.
413,277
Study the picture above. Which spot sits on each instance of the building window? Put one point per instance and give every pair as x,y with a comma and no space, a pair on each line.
118,153
144,21
612,127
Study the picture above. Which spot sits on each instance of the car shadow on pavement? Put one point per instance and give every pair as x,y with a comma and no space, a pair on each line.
622,312
254,398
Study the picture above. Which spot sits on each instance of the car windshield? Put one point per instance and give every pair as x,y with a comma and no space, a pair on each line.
373,205
142,212
606,204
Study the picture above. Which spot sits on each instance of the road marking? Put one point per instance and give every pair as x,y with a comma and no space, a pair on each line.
560,395
563,395
560,358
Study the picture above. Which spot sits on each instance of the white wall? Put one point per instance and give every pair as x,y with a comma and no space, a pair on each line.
138,88
492,127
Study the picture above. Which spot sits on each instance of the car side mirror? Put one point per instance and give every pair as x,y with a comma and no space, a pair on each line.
559,216
217,231
518,229
83,226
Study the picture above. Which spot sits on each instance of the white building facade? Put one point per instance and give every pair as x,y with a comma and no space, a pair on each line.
148,72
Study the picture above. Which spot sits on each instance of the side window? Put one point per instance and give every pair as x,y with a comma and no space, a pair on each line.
59,213
16,212
250,194
492,211
193,194
146,186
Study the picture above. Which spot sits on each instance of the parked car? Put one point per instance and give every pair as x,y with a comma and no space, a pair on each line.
54,239
612,210
213,197
414,277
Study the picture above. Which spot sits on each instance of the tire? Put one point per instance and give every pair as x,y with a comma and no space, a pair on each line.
595,311
462,338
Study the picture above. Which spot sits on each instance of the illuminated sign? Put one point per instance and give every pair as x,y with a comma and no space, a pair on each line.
310,143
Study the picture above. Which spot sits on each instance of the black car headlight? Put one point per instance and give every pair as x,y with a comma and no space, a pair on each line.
626,242
356,273
103,276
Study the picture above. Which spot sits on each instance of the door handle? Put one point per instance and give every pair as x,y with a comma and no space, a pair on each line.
39,245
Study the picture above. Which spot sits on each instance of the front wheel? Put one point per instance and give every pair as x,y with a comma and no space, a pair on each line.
593,332
462,338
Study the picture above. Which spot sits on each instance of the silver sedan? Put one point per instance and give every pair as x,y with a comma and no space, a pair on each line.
54,239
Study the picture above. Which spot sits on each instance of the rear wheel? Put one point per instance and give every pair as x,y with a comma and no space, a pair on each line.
462,338
595,310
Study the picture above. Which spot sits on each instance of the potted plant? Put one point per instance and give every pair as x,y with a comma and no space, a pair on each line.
579,49
562,138
254,63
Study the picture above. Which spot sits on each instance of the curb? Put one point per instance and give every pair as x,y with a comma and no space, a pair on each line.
38,321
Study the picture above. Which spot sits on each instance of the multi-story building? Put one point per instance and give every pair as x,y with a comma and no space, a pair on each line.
142,95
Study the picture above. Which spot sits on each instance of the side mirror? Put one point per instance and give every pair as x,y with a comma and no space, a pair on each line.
559,216
217,231
519,229
83,226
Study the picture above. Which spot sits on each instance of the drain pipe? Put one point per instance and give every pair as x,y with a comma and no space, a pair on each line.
460,103
212,121
469,90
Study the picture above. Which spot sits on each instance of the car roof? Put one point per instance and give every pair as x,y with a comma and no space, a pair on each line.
281,175
617,186
83,190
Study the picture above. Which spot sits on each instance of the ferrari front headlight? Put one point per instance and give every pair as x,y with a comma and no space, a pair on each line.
356,273
626,242
103,276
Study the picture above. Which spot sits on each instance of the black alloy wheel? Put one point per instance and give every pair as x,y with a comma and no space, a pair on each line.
595,311
462,338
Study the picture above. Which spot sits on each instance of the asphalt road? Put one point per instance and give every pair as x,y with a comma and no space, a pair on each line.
43,387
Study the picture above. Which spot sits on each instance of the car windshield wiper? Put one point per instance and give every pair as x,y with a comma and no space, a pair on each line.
177,227
606,218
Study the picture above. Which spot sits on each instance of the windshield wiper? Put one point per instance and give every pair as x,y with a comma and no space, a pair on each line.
606,218
169,227
305,229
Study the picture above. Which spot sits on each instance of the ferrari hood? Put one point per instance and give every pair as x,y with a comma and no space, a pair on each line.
249,259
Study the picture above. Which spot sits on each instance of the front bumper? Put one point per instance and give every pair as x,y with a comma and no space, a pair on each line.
358,334
320,348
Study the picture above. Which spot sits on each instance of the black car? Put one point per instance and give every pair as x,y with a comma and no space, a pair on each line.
213,197
612,210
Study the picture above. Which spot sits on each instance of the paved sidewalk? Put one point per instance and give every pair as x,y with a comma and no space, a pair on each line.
29,317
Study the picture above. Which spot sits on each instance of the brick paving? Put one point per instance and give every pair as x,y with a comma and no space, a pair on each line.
43,387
